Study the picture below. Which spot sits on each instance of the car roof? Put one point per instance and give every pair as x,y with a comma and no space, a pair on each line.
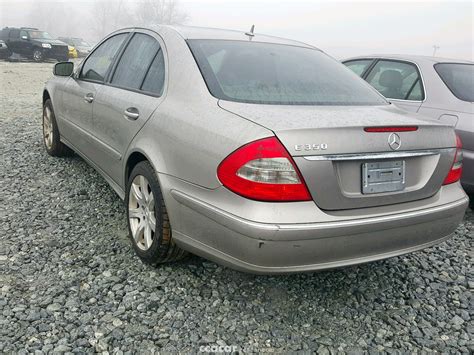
192,32
412,58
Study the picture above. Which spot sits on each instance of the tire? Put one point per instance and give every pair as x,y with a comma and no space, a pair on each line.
51,138
38,55
145,209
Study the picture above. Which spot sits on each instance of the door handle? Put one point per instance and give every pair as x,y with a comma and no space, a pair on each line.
131,113
89,97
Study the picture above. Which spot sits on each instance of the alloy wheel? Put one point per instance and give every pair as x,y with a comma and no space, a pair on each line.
141,212
48,127
37,55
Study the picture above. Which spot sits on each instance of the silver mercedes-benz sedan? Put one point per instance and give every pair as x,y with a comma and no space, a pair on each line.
439,88
258,152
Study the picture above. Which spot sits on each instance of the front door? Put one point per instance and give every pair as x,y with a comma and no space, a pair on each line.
80,94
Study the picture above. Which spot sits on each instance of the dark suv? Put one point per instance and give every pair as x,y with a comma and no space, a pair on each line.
33,43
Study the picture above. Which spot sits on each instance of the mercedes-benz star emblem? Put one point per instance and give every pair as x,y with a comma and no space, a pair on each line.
394,141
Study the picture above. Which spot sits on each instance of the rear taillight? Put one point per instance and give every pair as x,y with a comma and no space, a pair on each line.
456,169
264,171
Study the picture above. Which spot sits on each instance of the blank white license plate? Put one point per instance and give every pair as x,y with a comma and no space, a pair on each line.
383,176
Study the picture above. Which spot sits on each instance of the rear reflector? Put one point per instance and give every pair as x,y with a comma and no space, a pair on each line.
456,169
263,171
391,129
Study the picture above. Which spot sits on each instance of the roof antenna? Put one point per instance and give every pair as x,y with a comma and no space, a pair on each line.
250,33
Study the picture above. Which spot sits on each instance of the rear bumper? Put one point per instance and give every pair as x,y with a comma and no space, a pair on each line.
269,248
467,179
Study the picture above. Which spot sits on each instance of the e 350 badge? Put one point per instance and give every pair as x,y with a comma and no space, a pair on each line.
308,147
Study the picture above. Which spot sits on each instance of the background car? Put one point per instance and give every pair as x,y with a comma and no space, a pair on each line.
258,152
34,44
439,88
4,50
72,52
83,48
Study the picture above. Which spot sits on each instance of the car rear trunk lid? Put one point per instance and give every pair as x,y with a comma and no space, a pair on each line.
346,167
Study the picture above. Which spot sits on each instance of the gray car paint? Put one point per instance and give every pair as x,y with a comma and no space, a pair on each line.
440,104
186,133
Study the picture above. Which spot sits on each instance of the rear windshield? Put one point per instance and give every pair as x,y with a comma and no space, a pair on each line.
267,73
459,78
79,42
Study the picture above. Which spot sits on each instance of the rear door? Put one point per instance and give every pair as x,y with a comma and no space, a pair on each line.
14,41
134,90
80,93
398,81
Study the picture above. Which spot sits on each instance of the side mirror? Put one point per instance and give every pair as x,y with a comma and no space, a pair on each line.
25,38
63,69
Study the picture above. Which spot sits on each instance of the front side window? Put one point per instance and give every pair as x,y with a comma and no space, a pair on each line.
265,73
459,78
396,80
358,66
135,61
23,34
98,63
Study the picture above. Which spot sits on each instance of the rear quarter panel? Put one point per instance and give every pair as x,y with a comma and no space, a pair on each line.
189,135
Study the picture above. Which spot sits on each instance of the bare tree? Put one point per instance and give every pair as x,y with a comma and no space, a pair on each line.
108,16
148,12
49,17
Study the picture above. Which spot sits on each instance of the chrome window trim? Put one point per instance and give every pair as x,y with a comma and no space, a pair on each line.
381,155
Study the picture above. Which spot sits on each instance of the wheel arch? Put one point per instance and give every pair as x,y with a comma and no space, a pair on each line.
46,95
136,156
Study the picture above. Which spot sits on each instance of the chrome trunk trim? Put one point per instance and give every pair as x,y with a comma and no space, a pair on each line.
382,155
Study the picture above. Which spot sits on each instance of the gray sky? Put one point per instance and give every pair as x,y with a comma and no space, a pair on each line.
341,28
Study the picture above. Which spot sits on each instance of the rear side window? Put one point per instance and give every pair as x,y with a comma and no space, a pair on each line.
14,34
459,78
155,78
396,80
97,65
136,61
358,66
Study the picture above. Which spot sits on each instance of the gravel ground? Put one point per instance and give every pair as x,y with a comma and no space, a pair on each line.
70,281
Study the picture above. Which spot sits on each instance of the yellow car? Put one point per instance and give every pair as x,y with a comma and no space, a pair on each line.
72,52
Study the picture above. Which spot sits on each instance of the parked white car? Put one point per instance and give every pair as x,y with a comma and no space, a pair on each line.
439,88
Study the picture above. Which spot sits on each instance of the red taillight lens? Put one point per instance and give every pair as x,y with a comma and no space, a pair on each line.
456,169
264,171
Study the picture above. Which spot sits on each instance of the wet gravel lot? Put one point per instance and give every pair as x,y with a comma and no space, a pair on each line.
71,283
